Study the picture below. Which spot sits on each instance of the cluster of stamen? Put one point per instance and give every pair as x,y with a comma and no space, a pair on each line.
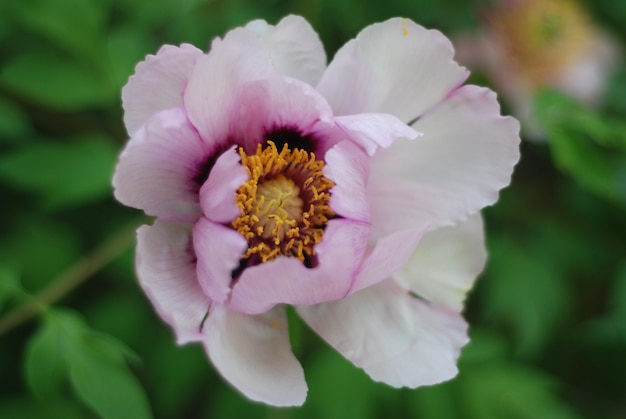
284,204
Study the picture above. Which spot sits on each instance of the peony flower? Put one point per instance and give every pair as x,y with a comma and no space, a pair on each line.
344,191
528,45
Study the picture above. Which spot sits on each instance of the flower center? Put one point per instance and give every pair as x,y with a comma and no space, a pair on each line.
284,204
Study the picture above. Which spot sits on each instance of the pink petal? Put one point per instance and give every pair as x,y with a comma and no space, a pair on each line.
253,353
167,273
394,67
295,48
287,280
395,338
389,256
218,249
446,263
348,167
278,102
466,156
158,84
156,171
373,131
212,97
218,194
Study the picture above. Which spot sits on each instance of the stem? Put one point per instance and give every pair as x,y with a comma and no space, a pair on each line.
71,278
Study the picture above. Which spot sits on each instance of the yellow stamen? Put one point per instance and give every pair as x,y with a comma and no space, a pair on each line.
284,204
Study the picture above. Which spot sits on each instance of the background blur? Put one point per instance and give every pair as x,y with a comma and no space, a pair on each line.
548,316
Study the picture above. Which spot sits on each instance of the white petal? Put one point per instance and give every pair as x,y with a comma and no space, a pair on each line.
253,353
446,263
395,338
218,249
167,273
458,167
394,67
388,256
157,170
295,48
373,131
158,84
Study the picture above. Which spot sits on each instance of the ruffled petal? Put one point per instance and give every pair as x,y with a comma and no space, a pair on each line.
446,263
287,280
348,167
295,48
253,353
157,169
212,97
465,157
218,193
394,67
158,84
167,273
395,338
218,250
387,257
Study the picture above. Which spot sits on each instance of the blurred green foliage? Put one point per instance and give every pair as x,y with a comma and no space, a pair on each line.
548,316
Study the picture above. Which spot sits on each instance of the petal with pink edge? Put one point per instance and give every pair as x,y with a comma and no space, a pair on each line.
218,193
279,102
395,338
157,169
158,84
295,48
446,263
287,280
347,166
253,353
212,97
167,273
458,167
218,250
394,67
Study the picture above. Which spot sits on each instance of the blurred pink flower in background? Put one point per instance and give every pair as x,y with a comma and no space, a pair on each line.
527,45
342,190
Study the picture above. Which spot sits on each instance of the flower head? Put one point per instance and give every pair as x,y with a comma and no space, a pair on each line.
341,190
528,45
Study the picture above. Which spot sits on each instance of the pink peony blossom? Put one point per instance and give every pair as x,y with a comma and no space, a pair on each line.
341,190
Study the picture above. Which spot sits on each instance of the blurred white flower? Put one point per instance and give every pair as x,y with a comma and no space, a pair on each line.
527,45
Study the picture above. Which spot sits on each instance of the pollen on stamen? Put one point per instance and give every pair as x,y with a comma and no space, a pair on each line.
284,204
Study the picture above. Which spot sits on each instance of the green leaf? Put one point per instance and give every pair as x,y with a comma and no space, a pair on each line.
501,390
95,364
13,122
63,174
588,146
329,375
526,292
104,383
46,354
77,25
57,82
